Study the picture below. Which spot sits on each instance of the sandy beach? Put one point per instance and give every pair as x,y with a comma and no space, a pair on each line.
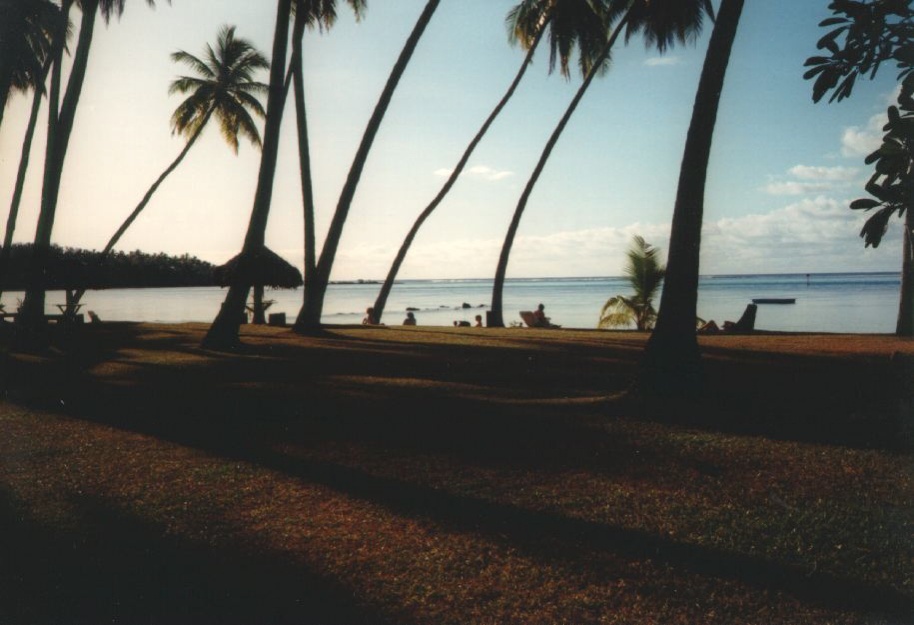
453,475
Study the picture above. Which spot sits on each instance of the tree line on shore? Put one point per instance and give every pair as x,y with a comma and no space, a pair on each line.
75,268
223,86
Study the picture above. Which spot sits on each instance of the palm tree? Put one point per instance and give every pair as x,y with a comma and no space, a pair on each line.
320,14
645,275
571,25
61,116
223,333
892,186
27,29
662,23
672,363
224,88
316,288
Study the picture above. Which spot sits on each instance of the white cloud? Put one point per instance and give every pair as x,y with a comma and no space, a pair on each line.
857,141
660,61
488,173
478,171
812,179
806,172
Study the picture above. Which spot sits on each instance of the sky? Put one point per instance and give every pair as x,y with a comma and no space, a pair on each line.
782,173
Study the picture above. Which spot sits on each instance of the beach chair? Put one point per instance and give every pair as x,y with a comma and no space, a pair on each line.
530,319
746,323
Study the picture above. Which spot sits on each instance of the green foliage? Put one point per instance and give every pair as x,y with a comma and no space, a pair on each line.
865,34
645,274
77,268
224,87
892,183
26,34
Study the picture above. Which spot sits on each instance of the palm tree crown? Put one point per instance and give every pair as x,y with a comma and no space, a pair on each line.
224,87
645,275
663,22
26,32
572,24
321,14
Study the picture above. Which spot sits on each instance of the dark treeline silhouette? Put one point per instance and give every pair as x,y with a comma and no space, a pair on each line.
78,268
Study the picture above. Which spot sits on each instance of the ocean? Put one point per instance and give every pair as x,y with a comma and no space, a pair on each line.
834,302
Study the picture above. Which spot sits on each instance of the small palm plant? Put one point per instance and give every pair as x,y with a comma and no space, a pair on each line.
645,274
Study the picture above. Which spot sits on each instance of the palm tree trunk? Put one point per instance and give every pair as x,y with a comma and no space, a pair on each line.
20,175
223,333
259,317
381,301
905,324
304,152
147,197
60,125
672,363
496,315
315,290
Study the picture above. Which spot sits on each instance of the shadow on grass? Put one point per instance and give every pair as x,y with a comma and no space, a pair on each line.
240,406
119,570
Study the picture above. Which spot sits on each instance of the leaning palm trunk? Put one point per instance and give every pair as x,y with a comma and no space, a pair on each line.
223,333
316,288
304,152
496,315
20,175
381,301
60,126
146,198
672,363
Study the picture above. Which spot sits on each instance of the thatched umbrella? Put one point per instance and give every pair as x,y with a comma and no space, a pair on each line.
257,269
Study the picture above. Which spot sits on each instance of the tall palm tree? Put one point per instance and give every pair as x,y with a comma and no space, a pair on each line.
224,88
570,24
26,33
662,23
316,288
223,333
61,116
645,275
320,14
672,362
19,186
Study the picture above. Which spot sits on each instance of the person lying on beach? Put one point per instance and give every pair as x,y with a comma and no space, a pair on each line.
410,319
461,324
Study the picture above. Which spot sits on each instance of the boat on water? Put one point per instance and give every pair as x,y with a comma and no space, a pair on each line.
774,300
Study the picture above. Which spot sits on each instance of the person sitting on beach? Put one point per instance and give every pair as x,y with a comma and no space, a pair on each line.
540,316
478,321
410,319
369,319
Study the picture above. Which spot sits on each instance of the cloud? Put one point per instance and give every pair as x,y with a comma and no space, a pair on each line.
806,172
478,171
661,61
857,141
808,179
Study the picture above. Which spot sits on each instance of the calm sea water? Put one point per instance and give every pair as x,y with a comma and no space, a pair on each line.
825,302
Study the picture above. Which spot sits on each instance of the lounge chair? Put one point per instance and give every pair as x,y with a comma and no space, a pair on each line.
530,319
746,323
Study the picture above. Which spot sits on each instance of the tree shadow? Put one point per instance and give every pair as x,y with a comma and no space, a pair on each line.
117,569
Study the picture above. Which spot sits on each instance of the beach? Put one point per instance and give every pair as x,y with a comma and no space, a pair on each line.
451,475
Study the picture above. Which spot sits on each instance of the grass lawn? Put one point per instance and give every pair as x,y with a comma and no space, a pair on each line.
453,475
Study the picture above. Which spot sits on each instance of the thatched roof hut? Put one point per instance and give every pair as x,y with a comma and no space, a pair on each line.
259,268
